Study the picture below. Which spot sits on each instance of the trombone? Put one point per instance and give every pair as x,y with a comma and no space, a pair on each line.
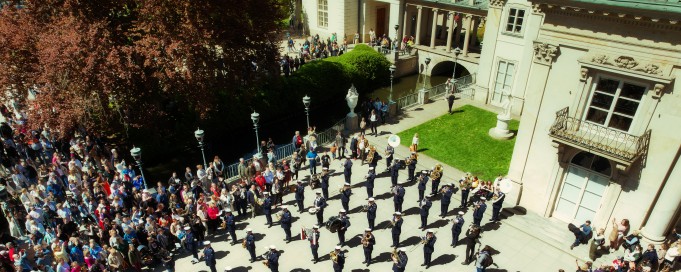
424,240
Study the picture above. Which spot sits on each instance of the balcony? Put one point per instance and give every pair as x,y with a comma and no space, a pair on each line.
606,142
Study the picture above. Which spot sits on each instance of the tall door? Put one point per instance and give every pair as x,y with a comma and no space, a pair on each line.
380,22
581,194
504,79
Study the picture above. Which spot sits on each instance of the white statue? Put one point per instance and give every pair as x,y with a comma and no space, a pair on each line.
352,97
506,103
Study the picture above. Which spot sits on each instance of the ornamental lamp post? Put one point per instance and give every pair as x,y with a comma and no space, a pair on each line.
136,154
255,117
457,52
199,134
392,74
426,73
306,102
397,42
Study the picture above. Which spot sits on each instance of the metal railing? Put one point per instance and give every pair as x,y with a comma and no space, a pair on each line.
598,139
461,87
283,152
407,101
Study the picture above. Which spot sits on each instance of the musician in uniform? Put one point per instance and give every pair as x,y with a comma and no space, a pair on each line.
375,158
319,204
326,160
267,208
346,192
230,225
209,255
400,261
339,262
347,170
446,198
425,210
436,181
496,204
190,243
457,225
368,242
412,166
395,172
300,196
465,185
286,223
389,152
398,197
314,243
273,259
479,210
250,243
369,184
371,212
428,248
325,182
422,181
344,224
397,228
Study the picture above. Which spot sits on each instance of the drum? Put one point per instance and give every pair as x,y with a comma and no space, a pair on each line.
333,224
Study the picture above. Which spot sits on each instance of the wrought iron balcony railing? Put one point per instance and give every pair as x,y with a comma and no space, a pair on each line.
603,141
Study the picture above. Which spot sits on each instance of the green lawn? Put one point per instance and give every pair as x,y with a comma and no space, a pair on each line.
461,141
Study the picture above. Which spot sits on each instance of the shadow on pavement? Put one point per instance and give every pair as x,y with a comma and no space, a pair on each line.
385,195
383,257
490,226
443,259
437,224
300,270
354,241
411,241
258,236
410,211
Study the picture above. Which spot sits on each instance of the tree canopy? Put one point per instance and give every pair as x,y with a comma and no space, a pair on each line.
113,64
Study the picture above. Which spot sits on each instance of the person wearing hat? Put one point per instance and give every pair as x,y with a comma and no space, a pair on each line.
428,248
286,223
230,225
325,182
400,261
347,169
411,167
319,204
445,199
190,242
250,243
314,243
395,172
398,197
422,182
273,259
368,242
396,229
457,225
209,255
344,225
371,212
267,209
479,211
425,211
300,196
345,196
496,205
339,263
369,184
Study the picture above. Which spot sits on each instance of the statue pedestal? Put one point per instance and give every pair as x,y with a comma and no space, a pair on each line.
501,131
392,108
351,122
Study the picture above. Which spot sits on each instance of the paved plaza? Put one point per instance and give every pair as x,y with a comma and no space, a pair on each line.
521,242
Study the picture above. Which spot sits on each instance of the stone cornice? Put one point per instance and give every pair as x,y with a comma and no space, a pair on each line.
497,3
544,53
628,65
594,14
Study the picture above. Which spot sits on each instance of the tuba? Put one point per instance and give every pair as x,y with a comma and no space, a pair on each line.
365,240
334,256
436,173
372,153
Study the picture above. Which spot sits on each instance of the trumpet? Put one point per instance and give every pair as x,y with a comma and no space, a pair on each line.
393,221
279,214
243,243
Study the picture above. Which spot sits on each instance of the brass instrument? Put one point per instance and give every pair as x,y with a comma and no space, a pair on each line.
279,214
407,161
393,221
372,153
495,196
437,172
395,256
333,256
365,239
365,208
395,190
259,201
266,256
243,243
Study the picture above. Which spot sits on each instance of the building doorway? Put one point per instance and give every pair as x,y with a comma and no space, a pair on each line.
581,194
380,22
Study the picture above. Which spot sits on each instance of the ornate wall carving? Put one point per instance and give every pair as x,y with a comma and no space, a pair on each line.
544,53
628,63
496,3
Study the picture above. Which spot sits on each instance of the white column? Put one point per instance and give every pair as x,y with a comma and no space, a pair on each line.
364,22
667,203
418,25
433,32
403,27
450,31
467,38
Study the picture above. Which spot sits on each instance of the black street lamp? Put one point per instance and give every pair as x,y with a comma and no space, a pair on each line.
306,102
457,52
426,73
136,153
199,137
392,74
255,117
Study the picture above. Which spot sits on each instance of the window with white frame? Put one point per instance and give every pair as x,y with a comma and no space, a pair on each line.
504,79
614,103
323,13
515,20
